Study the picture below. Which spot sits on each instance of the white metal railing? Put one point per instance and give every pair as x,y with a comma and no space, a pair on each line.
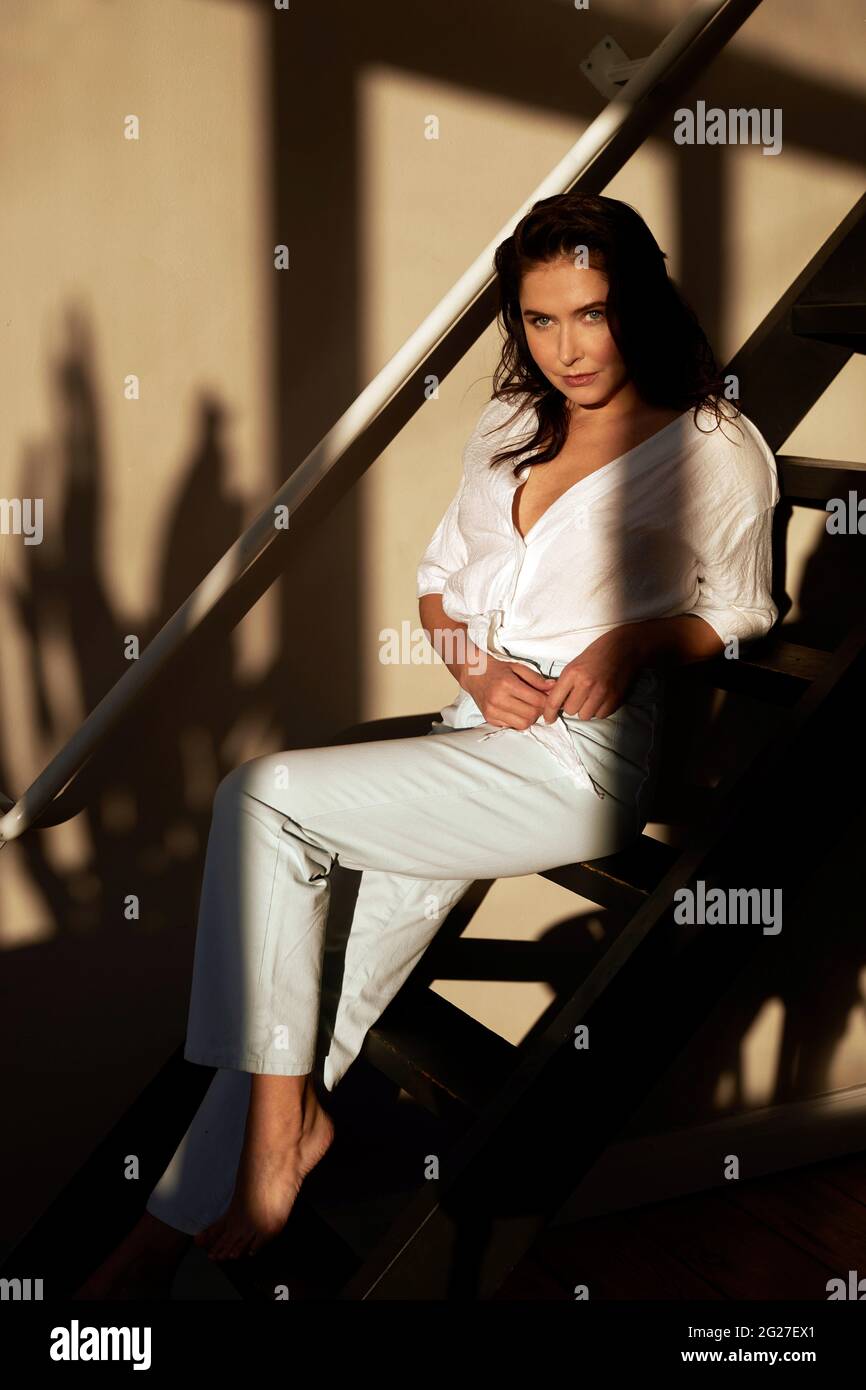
710,21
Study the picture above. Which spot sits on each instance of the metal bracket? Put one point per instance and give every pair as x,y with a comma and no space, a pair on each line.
609,67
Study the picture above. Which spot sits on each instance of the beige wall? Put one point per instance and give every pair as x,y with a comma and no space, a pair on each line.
124,257
155,257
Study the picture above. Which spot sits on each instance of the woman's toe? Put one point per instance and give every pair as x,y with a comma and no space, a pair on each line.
238,1246
222,1247
212,1233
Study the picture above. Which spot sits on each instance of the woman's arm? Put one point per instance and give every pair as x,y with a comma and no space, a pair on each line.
597,681
448,638
507,693
672,641
629,647
734,602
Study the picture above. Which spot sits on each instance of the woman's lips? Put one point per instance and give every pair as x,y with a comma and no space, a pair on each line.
580,380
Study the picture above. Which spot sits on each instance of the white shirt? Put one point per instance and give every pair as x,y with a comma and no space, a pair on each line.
679,524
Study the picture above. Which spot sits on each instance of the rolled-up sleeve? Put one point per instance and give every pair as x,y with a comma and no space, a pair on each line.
446,551
735,580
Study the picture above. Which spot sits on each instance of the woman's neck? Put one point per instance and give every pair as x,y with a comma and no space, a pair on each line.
624,407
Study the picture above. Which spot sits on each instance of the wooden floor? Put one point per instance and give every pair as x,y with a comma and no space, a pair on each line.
778,1237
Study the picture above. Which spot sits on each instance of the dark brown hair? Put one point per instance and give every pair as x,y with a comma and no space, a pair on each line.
664,348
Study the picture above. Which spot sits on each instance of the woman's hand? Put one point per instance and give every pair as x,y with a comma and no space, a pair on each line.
507,693
595,683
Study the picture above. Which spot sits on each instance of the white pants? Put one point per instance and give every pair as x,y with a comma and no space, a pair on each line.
423,818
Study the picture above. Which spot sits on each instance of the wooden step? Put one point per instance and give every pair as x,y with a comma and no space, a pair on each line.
397,726
832,306
441,1056
836,321
809,482
497,958
773,670
621,881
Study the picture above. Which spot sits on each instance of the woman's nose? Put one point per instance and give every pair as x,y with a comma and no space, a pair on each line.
569,353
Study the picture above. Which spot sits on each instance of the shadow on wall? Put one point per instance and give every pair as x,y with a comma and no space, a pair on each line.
94,1010
147,825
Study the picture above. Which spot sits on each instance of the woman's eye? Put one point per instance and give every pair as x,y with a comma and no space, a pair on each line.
544,319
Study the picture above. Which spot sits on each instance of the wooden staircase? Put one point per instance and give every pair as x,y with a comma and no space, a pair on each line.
514,1129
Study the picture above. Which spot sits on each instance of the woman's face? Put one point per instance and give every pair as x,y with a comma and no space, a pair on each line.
564,317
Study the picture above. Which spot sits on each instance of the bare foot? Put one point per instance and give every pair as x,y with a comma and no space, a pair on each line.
287,1133
143,1265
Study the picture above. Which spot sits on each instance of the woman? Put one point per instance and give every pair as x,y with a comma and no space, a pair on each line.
621,531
